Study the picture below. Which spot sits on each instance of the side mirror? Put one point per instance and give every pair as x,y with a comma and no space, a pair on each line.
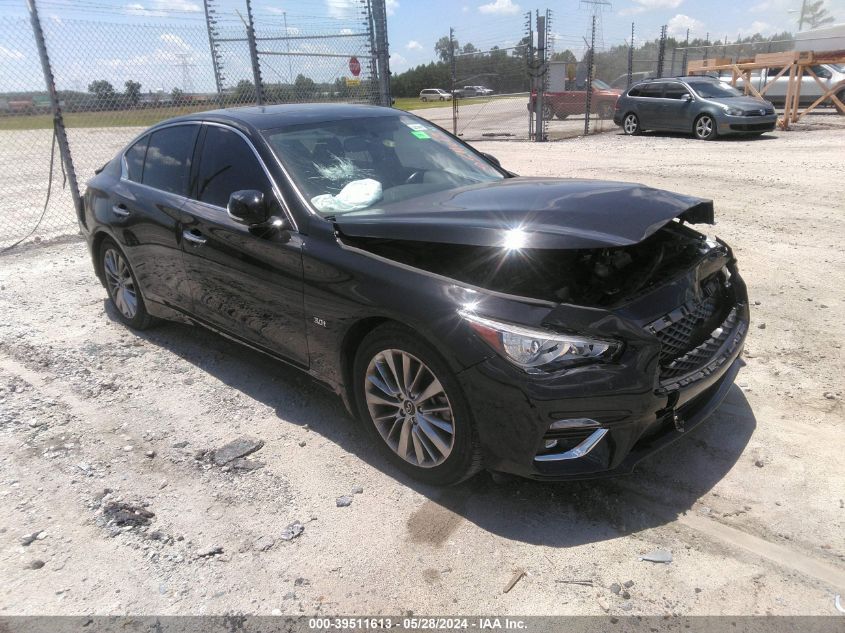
248,207
686,96
492,159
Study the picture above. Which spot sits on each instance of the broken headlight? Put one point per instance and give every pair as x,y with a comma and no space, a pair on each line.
535,349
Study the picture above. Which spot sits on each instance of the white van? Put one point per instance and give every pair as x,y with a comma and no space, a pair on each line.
434,94
830,75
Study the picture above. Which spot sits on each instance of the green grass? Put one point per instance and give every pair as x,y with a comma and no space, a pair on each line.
149,116
117,118
414,103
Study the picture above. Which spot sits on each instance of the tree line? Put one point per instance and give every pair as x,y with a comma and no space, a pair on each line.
508,70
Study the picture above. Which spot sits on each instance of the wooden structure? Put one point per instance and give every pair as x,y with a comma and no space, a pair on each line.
792,63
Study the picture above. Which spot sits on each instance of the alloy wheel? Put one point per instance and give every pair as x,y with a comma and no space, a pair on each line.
121,285
409,408
704,127
631,124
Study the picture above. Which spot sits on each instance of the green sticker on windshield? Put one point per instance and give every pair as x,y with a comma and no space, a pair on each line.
420,134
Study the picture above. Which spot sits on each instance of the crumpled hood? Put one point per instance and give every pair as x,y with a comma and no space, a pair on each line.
530,213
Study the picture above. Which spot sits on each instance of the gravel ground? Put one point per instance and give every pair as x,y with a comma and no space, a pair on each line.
113,504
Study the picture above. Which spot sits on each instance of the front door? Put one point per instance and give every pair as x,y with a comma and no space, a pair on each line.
676,111
244,282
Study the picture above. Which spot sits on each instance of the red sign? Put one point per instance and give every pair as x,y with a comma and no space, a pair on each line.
354,66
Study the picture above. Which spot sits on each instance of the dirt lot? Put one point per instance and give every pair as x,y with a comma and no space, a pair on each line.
751,505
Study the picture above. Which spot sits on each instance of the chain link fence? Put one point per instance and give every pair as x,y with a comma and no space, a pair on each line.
113,80
28,150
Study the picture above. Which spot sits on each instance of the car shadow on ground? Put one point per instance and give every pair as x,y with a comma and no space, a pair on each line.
766,136
551,514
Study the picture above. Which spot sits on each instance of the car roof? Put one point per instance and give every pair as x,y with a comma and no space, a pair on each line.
275,116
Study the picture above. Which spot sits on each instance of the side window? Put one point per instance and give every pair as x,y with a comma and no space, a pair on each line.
821,72
135,159
228,164
653,91
168,161
675,91
634,92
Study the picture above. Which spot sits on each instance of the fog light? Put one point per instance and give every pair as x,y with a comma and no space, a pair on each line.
551,443
574,423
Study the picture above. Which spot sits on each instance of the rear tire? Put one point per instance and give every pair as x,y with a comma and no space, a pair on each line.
548,113
423,99
631,124
406,394
704,128
122,287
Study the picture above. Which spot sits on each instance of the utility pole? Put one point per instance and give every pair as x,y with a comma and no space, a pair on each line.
287,48
803,13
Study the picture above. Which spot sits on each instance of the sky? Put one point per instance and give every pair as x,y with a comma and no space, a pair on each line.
173,51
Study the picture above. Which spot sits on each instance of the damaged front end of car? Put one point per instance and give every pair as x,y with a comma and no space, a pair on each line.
612,325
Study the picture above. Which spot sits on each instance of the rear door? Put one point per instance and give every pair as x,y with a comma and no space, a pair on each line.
146,211
244,282
648,106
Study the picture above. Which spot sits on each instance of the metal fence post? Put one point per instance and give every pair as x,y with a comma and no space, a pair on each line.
631,57
661,51
686,54
253,54
58,119
209,23
540,129
382,50
590,78
454,69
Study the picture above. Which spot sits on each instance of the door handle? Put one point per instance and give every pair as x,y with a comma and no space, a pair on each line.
120,210
193,238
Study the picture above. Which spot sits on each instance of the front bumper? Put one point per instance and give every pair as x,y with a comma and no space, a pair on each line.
746,124
631,412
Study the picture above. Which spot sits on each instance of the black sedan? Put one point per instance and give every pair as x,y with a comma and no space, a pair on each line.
550,328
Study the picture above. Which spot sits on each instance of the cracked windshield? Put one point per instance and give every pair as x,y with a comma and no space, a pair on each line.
366,164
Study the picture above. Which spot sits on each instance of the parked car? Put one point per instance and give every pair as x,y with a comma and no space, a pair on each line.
482,91
702,106
435,94
471,318
574,101
465,92
830,75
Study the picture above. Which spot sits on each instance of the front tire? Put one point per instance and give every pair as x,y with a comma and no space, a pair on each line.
631,124
423,99
413,407
704,128
122,287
